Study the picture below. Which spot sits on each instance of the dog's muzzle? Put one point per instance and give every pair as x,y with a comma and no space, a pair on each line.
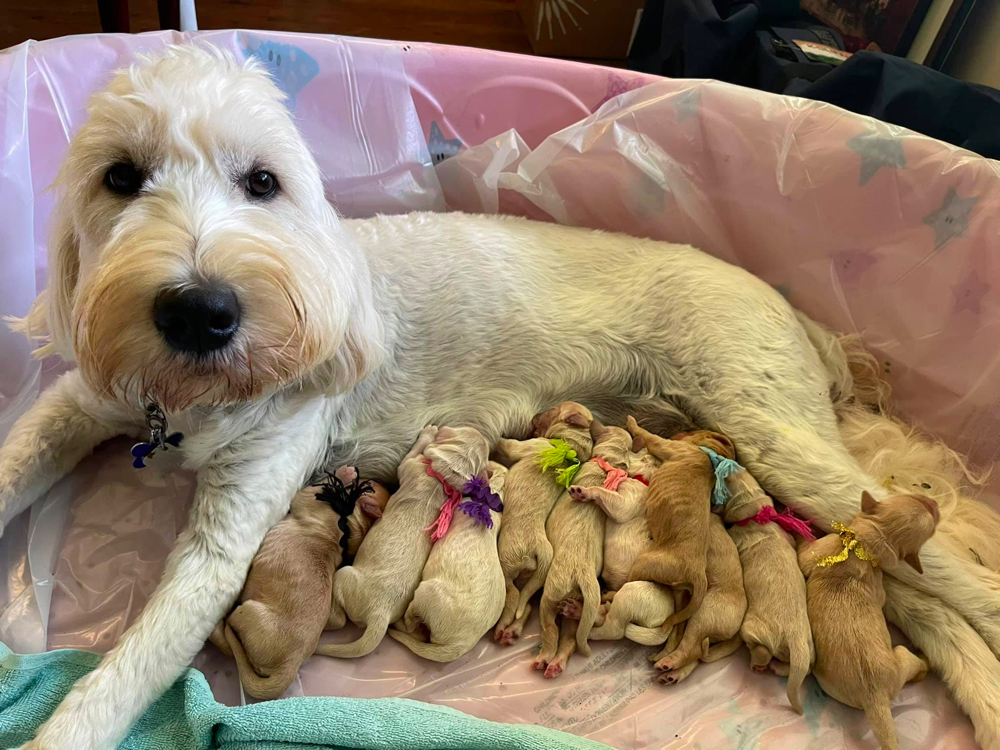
197,319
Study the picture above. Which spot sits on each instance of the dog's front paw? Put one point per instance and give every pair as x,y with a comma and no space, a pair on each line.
579,493
539,664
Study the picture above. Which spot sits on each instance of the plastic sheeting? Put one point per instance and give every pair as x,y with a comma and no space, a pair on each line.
865,226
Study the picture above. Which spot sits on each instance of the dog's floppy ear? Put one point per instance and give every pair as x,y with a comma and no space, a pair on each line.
638,443
869,504
596,429
50,318
913,561
578,420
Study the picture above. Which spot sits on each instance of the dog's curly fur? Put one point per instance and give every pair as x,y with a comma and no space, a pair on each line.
356,334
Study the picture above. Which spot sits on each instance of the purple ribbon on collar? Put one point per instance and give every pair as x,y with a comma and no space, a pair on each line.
481,500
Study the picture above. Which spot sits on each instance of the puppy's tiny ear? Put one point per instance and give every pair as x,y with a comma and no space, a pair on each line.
868,503
913,561
638,443
596,428
577,419
725,443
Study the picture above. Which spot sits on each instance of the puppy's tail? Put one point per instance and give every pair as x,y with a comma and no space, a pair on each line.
263,687
591,591
543,559
698,589
720,650
800,660
646,636
880,717
442,652
373,635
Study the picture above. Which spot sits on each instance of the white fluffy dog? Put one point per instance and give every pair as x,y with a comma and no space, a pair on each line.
195,262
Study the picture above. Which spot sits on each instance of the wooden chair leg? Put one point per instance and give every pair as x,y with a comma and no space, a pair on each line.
114,16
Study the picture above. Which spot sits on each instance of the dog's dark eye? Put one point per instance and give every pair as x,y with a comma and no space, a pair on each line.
261,184
123,178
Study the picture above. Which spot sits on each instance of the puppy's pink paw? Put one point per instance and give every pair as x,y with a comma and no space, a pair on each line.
346,474
668,678
579,493
553,670
539,664
508,637
759,668
665,664
571,608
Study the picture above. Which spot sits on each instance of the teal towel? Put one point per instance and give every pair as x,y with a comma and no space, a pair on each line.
188,718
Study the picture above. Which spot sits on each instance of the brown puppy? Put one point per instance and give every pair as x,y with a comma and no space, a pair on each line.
776,626
718,619
855,660
524,550
576,530
678,505
285,603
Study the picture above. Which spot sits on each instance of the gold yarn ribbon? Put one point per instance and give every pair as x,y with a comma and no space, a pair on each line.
850,545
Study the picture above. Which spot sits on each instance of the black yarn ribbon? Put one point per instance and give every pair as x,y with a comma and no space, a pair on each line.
343,498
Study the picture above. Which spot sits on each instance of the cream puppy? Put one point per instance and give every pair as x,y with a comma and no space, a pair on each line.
576,531
461,592
377,588
524,550
776,625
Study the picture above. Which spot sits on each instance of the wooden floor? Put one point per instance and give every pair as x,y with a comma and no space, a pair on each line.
493,24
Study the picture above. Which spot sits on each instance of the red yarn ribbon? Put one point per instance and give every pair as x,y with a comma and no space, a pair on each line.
786,521
440,527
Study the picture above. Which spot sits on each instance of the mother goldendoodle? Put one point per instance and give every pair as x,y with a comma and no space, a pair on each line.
196,264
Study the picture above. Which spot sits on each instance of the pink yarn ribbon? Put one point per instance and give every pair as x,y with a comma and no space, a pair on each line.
440,527
614,476
790,523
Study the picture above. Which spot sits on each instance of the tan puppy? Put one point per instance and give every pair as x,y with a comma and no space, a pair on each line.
720,615
776,626
377,588
285,603
524,550
461,593
855,660
576,530
677,510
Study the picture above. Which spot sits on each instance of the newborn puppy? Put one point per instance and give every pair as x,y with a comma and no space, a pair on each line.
720,615
461,593
855,660
576,530
376,589
285,602
677,509
524,550
636,612
626,533
776,625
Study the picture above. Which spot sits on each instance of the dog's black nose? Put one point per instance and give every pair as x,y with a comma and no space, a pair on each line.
197,319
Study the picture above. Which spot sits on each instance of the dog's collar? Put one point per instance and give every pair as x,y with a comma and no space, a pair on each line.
787,521
561,457
851,544
156,422
481,501
722,467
